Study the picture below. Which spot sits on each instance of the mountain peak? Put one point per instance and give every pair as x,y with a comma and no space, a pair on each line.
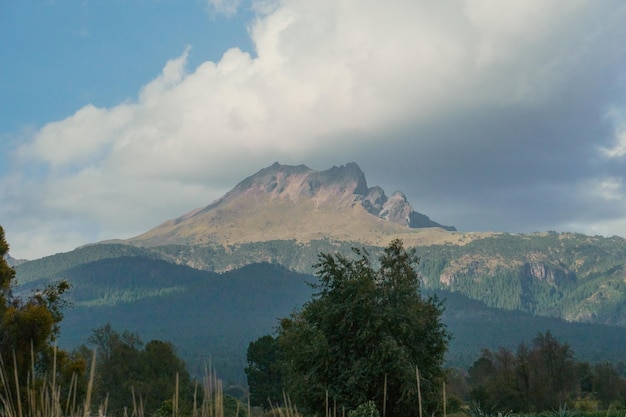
297,182
285,202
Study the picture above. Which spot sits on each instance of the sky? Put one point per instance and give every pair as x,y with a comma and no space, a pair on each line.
489,115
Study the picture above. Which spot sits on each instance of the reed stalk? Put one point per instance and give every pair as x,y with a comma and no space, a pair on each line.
385,397
444,399
17,386
92,373
419,391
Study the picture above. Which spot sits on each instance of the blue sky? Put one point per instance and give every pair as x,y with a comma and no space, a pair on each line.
116,116
64,54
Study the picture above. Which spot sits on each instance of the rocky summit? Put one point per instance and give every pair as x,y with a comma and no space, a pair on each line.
296,202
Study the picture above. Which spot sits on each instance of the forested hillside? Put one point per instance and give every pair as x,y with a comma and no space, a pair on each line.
209,317
213,316
574,277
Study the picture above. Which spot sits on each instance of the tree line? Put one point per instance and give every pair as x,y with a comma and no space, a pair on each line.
542,376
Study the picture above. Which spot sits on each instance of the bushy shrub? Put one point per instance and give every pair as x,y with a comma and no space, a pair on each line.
367,409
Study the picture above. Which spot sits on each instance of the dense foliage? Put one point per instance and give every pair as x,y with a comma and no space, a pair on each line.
29,327
211,317
544,376
129,372
363,337
264,372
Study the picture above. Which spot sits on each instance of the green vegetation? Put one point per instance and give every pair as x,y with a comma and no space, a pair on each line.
357,346
545,376
545,274
367,409
367,334
570,276
43,396
264,372
53,267
38,380
128,371
212,315
29,327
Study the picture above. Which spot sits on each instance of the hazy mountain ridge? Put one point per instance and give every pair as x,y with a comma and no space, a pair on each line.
570,276
12,261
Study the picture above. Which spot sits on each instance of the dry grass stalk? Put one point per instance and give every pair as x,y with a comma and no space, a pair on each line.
444,399
132,393
327,409
213,401
17,386
385,397
419,391
175,399
288,410
41,397
92,373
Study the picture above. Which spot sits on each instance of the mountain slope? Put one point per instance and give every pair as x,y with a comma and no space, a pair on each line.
568,276
210,317
215,316
295,202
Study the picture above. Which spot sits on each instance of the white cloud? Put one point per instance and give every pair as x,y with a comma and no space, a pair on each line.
171,76
608,189
77,139
323,69
617,148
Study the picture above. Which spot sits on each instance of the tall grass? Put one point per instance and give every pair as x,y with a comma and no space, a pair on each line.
42,396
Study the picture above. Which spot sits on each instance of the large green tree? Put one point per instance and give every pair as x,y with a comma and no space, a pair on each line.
366,335
264,372
29,327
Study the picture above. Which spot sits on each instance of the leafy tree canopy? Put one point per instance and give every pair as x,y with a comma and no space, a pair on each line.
264,372
539,378
363,337
129,372
28,328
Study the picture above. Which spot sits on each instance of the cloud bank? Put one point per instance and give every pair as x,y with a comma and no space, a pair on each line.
489,115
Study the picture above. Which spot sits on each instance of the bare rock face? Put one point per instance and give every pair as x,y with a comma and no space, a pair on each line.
374,200
344,184
296,182
397,209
